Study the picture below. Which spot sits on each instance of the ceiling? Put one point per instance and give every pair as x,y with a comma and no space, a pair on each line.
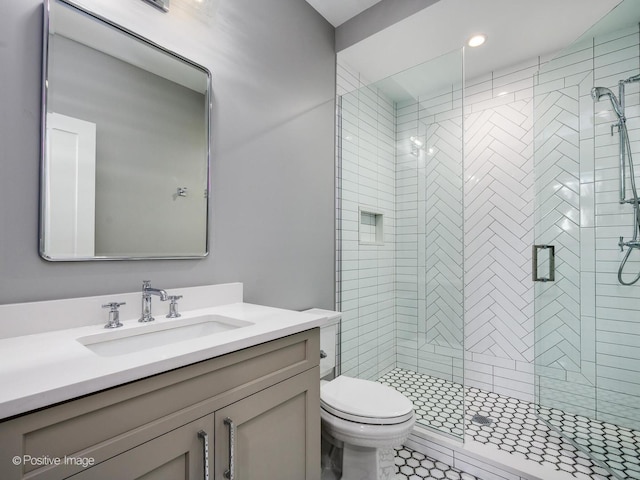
84,29
518,31
339,11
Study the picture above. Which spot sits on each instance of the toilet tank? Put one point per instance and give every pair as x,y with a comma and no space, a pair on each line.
328,341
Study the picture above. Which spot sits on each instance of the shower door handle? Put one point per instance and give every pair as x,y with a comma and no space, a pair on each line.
552,263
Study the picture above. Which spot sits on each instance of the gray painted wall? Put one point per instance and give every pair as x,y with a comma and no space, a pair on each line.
273,65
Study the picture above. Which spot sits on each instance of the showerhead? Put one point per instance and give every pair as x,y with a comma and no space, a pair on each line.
598,92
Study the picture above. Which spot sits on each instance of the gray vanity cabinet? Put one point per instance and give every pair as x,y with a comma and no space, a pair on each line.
176,455
270,436
268,395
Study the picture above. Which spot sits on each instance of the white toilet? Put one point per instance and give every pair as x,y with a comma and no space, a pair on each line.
362,421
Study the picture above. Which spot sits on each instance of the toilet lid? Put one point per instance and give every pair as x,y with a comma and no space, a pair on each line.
365,401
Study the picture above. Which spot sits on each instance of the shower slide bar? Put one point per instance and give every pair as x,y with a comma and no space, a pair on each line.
622,130
618,104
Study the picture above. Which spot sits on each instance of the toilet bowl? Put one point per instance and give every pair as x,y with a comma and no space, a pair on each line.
362,421
366,420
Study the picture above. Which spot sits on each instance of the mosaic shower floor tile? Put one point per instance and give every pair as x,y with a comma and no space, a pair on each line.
512,425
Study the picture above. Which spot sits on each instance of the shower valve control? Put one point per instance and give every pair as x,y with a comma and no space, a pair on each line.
629,244
614,126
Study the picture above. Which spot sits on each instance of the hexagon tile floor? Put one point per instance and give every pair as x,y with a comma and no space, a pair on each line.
515,427
416,466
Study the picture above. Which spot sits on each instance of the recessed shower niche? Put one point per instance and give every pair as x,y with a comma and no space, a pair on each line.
371,227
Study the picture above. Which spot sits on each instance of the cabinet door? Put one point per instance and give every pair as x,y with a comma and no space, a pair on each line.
276,432
176,455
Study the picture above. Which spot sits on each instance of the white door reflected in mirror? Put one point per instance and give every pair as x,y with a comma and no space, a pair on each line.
70,219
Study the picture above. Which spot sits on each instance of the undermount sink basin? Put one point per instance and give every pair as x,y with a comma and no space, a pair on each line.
157,334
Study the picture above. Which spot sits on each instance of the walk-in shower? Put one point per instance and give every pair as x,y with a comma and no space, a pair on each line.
625,155
444,185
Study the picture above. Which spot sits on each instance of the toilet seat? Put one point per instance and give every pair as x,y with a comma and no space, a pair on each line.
365,402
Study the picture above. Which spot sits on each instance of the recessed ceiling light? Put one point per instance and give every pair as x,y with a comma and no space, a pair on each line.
477,40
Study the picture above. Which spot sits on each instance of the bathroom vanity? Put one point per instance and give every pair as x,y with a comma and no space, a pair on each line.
246,408
204,387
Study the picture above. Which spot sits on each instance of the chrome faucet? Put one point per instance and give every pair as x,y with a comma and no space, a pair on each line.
147,291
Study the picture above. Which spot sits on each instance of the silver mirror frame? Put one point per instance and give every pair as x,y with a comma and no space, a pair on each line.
161,4
43,133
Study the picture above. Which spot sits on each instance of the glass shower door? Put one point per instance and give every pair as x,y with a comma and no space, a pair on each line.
587,324
400,227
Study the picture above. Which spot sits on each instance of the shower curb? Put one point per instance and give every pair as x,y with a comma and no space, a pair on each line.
482,461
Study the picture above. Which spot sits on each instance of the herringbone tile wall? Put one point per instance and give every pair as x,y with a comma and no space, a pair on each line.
499,207
490,206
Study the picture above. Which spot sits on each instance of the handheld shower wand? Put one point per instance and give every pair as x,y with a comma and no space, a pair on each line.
598,92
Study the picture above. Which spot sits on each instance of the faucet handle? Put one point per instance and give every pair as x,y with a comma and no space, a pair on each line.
173,306
146,284
113,305
114,314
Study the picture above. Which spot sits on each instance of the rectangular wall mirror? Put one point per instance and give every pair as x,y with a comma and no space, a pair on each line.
125,143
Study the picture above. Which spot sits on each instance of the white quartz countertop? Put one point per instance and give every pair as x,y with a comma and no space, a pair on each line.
42,369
